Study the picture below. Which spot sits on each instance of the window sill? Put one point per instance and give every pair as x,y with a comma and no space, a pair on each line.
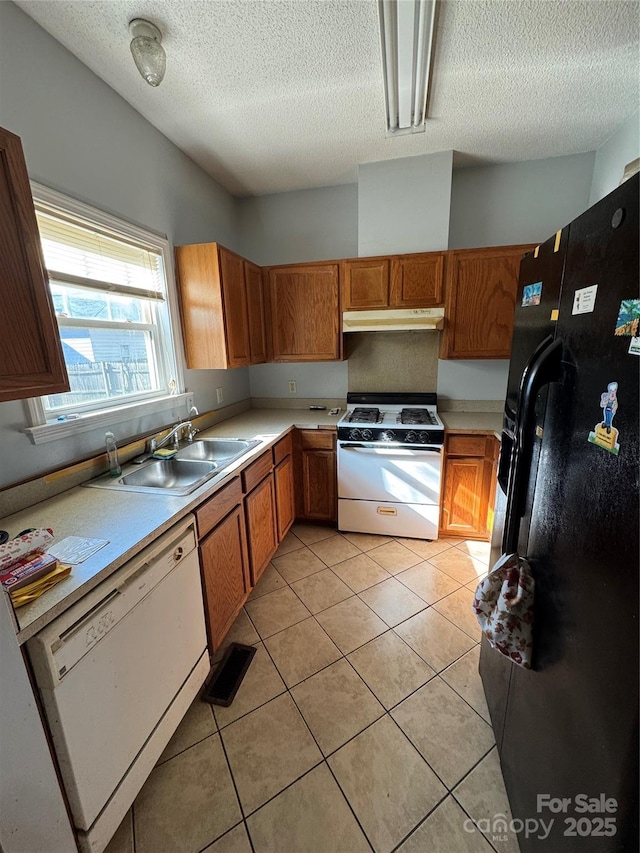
55,430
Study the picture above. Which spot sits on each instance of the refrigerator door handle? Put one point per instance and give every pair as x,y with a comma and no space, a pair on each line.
546,368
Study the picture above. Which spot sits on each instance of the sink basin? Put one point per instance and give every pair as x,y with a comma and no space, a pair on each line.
216,449
194,464
170,474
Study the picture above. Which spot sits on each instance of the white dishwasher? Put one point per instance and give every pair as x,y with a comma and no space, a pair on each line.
116,673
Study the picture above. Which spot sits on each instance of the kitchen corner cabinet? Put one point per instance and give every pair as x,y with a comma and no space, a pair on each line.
221,307
303,310
481,287
223,560
397,281
316,481
260,513
31,360
468,490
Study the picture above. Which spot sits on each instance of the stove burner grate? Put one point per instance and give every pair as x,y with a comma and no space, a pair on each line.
363,415
417,416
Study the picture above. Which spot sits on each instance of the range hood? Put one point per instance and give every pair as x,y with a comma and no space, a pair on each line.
393,320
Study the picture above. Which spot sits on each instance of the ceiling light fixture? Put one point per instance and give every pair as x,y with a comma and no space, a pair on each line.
406,32
147,51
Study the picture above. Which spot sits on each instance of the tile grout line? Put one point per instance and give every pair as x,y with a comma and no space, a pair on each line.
386,712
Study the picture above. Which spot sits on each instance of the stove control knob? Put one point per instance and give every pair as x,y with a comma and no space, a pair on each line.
367,435
423,437
387,435
354,434
412,437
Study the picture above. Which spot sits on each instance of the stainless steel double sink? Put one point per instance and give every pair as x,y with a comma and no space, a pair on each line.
193,465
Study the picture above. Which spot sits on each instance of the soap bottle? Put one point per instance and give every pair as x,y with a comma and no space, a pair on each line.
112,452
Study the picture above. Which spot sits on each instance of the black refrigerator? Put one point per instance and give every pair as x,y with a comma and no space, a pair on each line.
567,730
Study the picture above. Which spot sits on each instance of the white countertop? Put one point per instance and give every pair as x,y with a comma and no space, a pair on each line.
131,520
473,422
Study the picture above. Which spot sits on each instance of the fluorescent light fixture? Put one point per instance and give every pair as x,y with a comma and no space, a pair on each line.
406,32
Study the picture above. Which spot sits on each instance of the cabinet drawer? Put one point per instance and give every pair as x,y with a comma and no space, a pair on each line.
215,509
257,471
317,439
466,445
281,449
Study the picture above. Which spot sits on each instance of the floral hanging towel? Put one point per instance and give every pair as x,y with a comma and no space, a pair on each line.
503,605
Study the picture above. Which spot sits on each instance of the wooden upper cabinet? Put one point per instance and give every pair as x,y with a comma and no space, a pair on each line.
365,283
397,281
304,312
221,302
416,280
31,360
236,316
481,292
255,310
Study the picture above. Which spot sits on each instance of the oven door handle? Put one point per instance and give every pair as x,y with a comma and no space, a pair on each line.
425,448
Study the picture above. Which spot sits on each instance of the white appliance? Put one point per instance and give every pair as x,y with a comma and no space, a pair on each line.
116,673
390,465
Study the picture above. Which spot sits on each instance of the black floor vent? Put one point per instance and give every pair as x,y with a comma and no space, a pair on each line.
228,676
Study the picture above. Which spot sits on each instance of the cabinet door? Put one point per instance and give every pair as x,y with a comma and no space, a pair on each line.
223,565
319,492
365,283
481,293
304,313
260,511
31,360
416,280
255,312
283,475
235,308
464,480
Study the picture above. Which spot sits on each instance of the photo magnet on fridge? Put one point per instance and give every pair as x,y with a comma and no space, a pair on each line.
634,346
531,294
628,318
604,434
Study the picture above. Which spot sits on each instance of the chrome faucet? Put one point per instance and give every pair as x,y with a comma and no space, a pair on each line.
185,426
153,444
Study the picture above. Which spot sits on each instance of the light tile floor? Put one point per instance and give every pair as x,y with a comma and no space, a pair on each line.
361,723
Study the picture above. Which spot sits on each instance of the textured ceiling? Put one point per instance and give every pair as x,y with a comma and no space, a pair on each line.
275,95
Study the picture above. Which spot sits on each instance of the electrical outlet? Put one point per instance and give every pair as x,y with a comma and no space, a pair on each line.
219,395
292,386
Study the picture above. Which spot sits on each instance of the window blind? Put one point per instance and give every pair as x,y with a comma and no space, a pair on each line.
86,257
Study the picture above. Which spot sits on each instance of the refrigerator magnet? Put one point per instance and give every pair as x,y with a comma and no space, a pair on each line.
531,294
634,346
584,300
604,434
628,318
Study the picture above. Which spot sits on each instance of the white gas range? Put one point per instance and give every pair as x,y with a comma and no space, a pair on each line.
389,465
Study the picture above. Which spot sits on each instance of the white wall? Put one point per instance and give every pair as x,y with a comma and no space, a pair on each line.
83,139
518,202
473,379
306,225
611,158
324,381
403,205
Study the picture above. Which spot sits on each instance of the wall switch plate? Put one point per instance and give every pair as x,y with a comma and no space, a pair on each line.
219,395
292,386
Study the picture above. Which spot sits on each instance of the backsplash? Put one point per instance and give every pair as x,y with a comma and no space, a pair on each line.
393,361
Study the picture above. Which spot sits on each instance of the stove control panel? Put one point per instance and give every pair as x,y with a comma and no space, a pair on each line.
391,436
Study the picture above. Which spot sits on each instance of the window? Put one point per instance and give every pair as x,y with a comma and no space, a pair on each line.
108,281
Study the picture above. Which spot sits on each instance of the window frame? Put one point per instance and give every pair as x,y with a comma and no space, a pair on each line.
170,335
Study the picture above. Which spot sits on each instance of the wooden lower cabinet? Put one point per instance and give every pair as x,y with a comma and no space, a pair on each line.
285,499
468,487
316,486
262,532
223,562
